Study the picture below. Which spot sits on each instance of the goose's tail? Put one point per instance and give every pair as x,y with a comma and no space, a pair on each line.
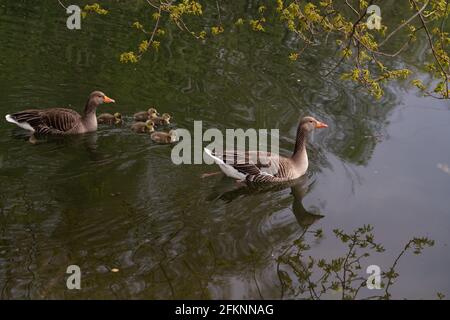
11,119
227,169
24,125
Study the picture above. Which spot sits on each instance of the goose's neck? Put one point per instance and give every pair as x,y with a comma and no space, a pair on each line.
89,109
89,116
300,155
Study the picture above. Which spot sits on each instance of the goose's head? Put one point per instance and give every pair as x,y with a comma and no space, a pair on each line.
150,126
166,118
98,98
310,123
118,117
152,113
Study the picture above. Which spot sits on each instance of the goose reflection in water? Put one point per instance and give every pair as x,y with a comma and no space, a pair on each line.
87,142
299,188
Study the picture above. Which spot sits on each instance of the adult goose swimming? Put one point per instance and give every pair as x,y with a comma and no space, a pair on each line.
61,121
266,167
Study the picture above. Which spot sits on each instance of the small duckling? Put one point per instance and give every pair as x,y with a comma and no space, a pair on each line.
146,115
164,137
163,120
143,127
107,118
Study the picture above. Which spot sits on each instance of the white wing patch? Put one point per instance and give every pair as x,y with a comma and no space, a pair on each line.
23,125
226,168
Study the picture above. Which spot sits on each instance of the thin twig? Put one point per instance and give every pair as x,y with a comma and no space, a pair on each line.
355,239
279,262
436,57
403,24
350,40
62,5
351,7
153,5
150,41
405,248
442,25
218,12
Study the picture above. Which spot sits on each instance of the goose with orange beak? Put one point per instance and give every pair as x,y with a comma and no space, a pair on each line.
61,121
266,167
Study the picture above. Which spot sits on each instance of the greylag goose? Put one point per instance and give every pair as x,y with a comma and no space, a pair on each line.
266,167
143,127
146,115
164,137
108,118
60,121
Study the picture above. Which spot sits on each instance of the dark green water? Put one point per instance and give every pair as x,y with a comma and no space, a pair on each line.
113,199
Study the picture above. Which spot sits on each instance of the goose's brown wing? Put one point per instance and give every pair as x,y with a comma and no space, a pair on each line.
54,121
252,162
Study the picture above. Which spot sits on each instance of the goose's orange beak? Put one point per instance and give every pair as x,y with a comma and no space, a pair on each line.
108,100
320,125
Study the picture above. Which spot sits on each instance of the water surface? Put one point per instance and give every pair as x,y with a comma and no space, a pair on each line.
112,199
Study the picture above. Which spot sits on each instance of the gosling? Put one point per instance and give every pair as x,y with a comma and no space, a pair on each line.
146,115
107,118
163,120
143,127
164,137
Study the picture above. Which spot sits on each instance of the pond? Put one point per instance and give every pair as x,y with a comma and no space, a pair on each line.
139,226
